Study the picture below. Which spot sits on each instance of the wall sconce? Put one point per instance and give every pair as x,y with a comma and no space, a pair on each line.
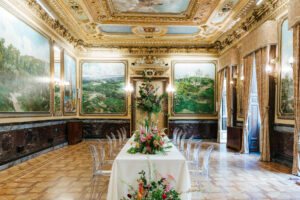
291,60
128,88
231,82
268,69
170,88
242,78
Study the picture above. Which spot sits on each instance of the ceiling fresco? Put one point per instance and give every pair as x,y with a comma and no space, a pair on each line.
151,6
149,22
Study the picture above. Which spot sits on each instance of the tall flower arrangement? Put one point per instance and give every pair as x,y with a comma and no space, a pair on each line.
149,101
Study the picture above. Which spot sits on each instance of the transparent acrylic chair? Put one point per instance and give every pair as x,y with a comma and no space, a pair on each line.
115,148
110,147
124,133
120,138
96,191
102,152
178,139
202,175
195,159
182,141
174,139
188,148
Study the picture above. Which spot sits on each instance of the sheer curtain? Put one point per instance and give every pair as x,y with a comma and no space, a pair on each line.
248,65
296,74
219,100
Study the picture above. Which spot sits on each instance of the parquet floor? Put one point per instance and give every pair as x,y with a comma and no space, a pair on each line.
65,174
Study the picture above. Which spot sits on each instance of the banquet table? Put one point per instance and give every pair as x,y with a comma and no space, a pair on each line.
127,166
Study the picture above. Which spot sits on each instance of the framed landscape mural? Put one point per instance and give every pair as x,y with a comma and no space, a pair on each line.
24,68
102,86
57,82
69,84
286,87
195,84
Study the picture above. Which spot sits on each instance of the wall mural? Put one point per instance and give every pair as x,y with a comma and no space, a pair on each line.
195,88
103,88
24,67
151,6
286,97
70,84
57,90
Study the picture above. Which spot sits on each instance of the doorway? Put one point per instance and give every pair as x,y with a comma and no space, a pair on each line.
223,125
137,116
253,116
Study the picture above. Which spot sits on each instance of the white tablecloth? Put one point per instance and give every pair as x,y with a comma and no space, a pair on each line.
126,167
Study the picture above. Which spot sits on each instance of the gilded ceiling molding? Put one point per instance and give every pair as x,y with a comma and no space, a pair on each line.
294,13
54,24
268,10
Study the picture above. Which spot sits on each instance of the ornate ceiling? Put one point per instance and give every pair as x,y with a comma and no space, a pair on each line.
197,23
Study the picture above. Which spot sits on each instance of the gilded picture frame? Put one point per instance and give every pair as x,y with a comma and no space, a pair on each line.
81,110
177,114
37,30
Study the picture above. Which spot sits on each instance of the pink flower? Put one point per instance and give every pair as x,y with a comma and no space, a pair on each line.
155,143
142,138
143,130
168,188
171,177
148,186
161,143
148,149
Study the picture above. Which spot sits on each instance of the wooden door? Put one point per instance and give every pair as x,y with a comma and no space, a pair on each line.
138,117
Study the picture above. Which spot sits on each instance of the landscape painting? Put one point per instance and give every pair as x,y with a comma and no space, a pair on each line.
24,67
195,88
103,88
286,96
69,84
151,6
57,90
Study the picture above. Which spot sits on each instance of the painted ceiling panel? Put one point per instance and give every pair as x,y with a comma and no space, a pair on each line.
151,6
182,30
223,12
115,29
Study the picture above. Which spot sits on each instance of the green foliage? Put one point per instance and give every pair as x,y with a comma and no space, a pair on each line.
19,87
195,95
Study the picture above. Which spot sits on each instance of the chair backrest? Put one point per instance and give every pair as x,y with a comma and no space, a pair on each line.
95,156
196,151
179,134
175,135
182,142
114,140
188,147
120,137
102,152
110,146
206,159
124,133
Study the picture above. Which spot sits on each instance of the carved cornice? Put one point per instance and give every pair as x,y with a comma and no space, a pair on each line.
268,10
54,24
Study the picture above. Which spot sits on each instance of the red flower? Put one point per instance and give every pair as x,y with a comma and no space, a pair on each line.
147,144
164,196
129,196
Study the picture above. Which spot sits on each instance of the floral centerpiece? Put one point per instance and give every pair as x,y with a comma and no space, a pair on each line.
149,140
157,189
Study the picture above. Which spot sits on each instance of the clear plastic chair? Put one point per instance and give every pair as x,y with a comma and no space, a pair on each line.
120,138
178,138
182,141
97,173
124,133
115,149
174,139
188,148
102,152
196,150
110,147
